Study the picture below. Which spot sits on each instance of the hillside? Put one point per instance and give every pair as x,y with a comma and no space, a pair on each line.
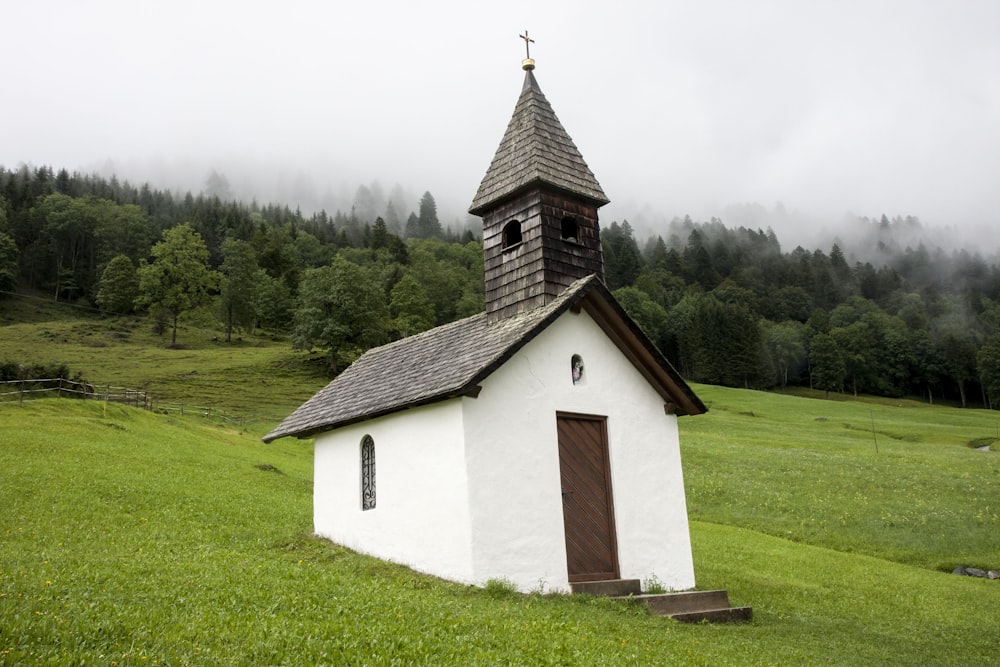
137,538
897,480
258,377
889,307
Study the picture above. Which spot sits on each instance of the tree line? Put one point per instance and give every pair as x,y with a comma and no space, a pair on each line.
726,305
729,306
335,282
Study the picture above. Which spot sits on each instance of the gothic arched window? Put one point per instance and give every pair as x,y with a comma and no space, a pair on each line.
367,473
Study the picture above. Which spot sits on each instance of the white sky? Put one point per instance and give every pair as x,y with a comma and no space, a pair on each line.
829,107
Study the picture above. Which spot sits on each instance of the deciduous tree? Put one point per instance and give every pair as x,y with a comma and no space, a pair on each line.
238,284
119,286
179,278
8,253
340,309
411,309
827,363
649,315
988,362
785,344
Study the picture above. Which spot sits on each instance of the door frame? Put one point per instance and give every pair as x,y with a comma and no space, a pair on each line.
612,529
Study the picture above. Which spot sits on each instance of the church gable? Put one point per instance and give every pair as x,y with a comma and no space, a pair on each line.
572,374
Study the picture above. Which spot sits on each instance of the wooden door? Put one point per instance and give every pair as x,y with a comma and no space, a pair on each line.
591,553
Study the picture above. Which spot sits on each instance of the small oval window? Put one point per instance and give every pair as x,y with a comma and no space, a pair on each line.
576,363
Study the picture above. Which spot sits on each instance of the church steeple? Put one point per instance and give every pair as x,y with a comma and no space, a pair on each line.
539,202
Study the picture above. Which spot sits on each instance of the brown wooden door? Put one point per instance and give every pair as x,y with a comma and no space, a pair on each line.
591,553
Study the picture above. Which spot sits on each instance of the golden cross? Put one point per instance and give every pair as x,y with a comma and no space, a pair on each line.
527,43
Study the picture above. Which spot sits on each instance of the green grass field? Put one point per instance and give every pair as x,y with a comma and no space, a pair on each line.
252,375
135,538
913,491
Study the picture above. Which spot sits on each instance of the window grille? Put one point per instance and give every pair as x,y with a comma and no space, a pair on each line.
367,473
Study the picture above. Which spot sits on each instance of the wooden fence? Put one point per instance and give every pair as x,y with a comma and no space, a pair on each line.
19,390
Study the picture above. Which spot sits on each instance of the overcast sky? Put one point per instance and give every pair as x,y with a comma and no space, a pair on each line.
678,107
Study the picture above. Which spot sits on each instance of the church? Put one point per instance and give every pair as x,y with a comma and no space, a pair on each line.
535,442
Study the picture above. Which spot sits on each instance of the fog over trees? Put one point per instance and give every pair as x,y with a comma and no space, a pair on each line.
884,306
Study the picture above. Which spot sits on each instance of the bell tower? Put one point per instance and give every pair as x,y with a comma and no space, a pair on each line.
538,201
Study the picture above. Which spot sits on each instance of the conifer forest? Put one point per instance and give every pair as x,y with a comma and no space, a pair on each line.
885,313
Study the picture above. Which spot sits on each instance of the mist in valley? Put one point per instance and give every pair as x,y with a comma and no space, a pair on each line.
810,120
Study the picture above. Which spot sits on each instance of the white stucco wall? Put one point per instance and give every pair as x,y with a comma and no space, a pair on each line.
512,450
421,516
469,489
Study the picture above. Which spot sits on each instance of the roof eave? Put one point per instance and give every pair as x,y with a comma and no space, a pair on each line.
537,182
469,389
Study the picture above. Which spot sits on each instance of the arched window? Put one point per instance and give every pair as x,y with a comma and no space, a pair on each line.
511,234
367,473
576,364
570,230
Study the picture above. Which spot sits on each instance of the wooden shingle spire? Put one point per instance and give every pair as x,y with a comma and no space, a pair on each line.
535,149
538,202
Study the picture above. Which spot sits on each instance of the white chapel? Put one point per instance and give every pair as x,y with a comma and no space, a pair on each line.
536,442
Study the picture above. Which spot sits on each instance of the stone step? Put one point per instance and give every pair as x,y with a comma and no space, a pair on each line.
608,587
729,615
694,606
665,604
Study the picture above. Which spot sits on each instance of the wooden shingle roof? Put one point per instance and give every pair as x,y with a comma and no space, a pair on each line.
535,149
453,359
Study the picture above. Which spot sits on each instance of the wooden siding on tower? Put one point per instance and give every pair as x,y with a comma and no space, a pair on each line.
514,276
537,269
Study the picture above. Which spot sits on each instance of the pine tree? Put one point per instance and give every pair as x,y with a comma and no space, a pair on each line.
413,227
427,221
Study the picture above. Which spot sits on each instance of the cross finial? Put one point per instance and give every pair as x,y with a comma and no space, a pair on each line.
527,44
527,63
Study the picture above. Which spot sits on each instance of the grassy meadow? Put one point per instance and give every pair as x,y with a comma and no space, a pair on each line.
252,375
897,480
135,538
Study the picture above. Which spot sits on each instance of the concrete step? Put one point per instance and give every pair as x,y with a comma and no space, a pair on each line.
609,587
729,615
694,606
665,604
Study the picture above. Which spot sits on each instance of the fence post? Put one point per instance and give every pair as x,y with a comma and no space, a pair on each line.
59,388
20,396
